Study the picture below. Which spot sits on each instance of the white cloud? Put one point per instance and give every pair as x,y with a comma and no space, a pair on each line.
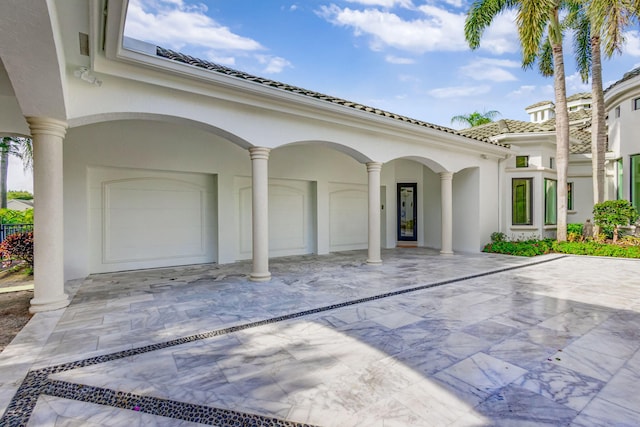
575,84
523,90
502,36
384,3
274,64
459,91
173,24
632,44
490,69
398,60
407,78
438,30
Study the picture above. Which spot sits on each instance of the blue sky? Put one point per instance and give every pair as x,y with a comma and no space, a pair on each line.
405,56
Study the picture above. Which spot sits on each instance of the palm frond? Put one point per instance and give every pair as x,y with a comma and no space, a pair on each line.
480,16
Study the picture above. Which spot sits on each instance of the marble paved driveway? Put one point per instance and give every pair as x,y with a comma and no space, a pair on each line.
423,340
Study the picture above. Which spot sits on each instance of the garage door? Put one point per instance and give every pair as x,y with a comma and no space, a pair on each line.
291,217
348,217
146,219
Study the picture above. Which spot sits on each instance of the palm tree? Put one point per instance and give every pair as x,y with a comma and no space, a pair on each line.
476,118
534,18
599,23
14,146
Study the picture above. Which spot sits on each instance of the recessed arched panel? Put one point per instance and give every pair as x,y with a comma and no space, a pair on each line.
348,216
291,217
145,219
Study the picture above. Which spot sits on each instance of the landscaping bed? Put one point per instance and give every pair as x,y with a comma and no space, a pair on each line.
14,306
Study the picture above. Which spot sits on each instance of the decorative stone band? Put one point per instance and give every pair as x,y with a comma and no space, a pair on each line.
37,382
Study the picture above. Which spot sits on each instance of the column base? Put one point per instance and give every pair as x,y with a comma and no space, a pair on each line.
40,305
260,277
374,261
446,253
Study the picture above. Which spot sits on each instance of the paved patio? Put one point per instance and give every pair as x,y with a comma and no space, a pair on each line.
423,340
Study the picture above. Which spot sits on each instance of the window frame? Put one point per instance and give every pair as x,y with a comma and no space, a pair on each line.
550,211
526,159
635,104
634,185
570,195
528,201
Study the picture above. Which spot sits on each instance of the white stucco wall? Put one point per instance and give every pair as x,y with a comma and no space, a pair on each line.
623,131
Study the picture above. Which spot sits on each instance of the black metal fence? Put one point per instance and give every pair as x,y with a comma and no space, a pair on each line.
8,229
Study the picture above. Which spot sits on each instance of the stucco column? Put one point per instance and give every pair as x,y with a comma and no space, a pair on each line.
446,195
48,271
373,171
260,212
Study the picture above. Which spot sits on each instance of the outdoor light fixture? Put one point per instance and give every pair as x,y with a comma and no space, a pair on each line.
84,74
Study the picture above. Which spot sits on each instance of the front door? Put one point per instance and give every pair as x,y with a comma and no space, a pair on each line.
407,212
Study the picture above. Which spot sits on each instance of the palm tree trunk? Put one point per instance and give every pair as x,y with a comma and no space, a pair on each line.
598,125
562,139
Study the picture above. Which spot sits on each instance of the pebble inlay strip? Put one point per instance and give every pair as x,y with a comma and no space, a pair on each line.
36,382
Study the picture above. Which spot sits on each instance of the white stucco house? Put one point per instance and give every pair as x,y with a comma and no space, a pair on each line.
144,157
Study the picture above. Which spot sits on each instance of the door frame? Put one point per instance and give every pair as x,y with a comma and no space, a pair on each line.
414,187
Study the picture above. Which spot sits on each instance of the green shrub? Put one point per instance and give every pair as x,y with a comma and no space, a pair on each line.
526,248
597,249
19,195
17,246
498,237
9,216
613,213
574,228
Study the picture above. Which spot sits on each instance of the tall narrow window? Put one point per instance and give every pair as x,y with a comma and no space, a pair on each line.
522,161
550,201
619,179
636,104
552,162
521,197
617,112
570,194
635,181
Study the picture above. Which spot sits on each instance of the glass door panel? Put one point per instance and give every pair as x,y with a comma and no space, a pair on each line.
407,212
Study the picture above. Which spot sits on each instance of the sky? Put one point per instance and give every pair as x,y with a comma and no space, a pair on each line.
409,57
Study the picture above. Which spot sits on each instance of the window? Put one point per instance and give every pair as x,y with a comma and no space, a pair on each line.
617,112
522,161
635,181
570,196
550,201
521,197
619,179
552,163
636,104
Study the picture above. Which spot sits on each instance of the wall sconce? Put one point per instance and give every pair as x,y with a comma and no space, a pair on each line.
83,73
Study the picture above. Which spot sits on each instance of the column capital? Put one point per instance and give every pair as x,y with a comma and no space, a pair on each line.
446,176
258,153
374,166
47,126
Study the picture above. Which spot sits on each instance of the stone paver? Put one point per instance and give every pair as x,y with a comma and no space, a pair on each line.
423,340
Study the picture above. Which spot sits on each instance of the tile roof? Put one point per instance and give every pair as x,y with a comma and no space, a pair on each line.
580,139
627,76
186,59
579,96
539,104
500,127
